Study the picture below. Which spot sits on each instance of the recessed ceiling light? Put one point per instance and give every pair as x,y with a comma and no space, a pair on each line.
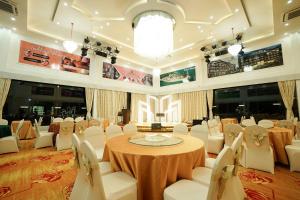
245,28
14,28
180,40
12,18
285,34
209,37
290,1
96,12
236,10
107,23
286,24
199,27
65,4
101,27
191,48
56,41
58,23
211,17
201,31
127,39
120,47
94,36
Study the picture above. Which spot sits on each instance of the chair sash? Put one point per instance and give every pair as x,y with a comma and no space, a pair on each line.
80,127
256,137
231,131
66,128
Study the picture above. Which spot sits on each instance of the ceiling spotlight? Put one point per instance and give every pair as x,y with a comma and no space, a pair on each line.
84,51
12,18
98,44
96,12
207,59
108,49
211,17
236,10
117,51
214,46
107,23
65,4
286,24
100,53
203,48
224,43
86,40
290,1
235,48
113,60
14,28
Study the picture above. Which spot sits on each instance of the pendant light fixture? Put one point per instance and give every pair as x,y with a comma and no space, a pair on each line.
235,48
69,45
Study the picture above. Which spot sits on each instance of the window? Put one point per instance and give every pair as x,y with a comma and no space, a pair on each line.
30,100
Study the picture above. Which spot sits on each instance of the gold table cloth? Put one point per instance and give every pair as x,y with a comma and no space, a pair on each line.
155,167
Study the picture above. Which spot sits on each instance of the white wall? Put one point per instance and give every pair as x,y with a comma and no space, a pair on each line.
11,68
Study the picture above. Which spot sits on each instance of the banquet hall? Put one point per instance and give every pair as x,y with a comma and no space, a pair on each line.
149,99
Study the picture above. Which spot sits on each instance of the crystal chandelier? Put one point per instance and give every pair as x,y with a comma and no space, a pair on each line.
153,34
235,48
70,45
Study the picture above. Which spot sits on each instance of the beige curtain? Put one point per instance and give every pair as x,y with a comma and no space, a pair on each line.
89,97
287,91
193,105
4,88
109,103
135,99
210,98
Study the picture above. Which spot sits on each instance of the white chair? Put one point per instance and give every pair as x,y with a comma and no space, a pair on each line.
57,120
40,121
180,129
296,139
223,183
10,144
248,122
94,122
129,128
43,139
235,146
78,119
80,188
113,130
69,119
215,141
257,149
95,136
293,152
231,131
64,138
266,123
80,128
201,132
113,186
3,122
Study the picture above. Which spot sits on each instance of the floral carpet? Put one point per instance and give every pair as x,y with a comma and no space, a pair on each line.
49,174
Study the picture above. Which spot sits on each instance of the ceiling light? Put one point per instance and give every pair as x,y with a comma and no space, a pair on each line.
235,48
211,17
65,4
201,31
128,39
180,40
57,23
12,18
285,34
101,27
113,60
107,23
156,72
56,41
286,24
96,12
70,45
153,34
290,1
14,28
236,10
199,27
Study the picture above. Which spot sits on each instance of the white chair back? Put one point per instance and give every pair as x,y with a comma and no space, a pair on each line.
213,126
95,136
231,131
69,119
58,119
78,119
129,128
76,149
37,130
113,130
266,123
224,164
248,122
217,118
181,129
92,171
201,132
94,122
237,143
66,128
256,137
81,126
3,122
295,120
20,125
40,121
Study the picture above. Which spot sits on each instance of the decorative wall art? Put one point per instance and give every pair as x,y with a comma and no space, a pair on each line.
179,76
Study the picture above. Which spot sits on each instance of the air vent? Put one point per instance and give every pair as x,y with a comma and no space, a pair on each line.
9,6
291,14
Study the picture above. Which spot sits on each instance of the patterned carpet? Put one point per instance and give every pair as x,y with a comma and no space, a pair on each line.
48,174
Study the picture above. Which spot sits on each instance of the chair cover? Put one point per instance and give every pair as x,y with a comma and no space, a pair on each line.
81,126
64,138
69,119
231,131
113,130
180,129
248,122
130,128
201,132
266,123
43,138
58,119
78,119
3,122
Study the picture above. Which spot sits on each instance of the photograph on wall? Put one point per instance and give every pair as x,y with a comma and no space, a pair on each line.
253,60
226,65
34,54
179,76
120,73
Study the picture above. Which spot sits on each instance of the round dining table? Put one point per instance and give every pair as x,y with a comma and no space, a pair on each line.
155,167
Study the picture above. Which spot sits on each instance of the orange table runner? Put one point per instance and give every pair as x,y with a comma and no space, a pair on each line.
26,132
155,167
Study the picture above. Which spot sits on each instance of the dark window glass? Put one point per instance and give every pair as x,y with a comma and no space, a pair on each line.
227,94
30,100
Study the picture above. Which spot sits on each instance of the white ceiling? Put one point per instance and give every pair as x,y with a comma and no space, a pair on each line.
198,22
